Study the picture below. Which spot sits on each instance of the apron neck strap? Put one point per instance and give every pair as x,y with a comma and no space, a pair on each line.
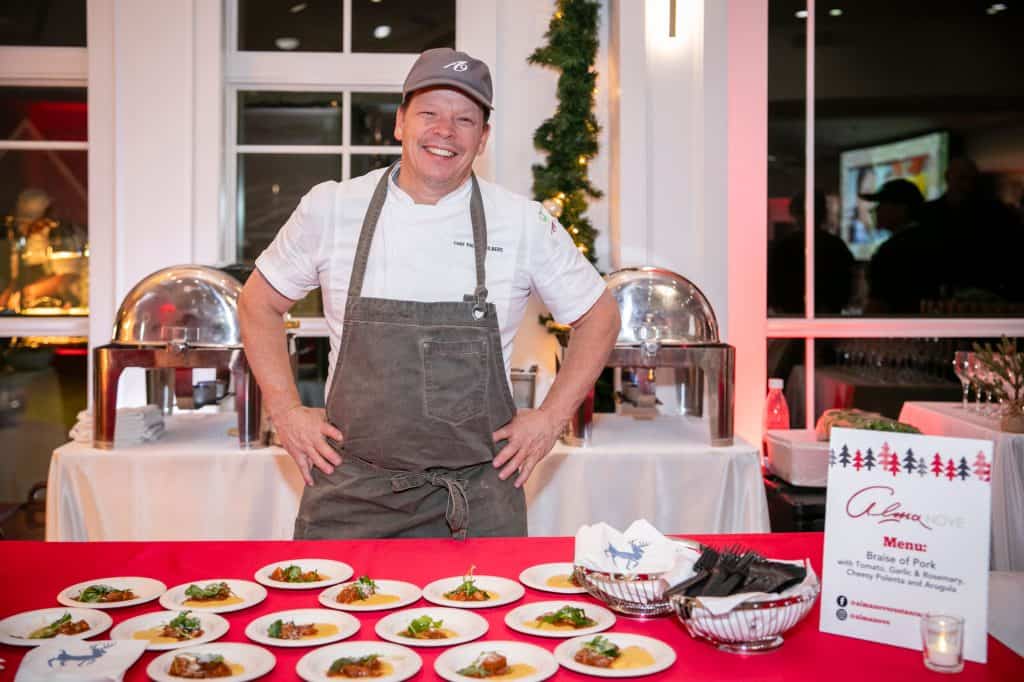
476,215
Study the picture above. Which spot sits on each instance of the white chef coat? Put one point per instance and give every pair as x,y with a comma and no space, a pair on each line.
424,252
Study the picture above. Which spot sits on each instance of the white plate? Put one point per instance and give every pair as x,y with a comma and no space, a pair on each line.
14,630
336,572
664,655
517,618
250,593
347,626
407,593
455,659
507,590
313,666
147,589
537,577
255,660
214,627
468,625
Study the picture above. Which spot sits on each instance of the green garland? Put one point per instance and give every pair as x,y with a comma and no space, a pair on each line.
570,136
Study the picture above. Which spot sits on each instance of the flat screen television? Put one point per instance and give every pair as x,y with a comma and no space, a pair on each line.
921,159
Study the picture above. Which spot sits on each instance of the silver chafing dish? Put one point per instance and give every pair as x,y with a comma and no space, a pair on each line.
174,321
667,322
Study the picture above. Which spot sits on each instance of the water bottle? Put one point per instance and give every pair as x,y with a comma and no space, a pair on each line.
776,413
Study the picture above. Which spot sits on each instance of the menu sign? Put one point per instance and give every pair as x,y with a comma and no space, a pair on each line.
906,533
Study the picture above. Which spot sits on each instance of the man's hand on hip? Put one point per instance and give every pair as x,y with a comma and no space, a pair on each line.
302,431
530,435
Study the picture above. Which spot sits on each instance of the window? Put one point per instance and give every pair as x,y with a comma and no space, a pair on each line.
906,131
43,23
312,92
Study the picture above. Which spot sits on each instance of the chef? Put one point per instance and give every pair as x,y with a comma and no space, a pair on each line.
425,272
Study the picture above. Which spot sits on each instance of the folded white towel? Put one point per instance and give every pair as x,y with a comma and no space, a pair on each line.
134,425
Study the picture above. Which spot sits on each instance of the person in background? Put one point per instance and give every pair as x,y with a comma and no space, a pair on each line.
833,265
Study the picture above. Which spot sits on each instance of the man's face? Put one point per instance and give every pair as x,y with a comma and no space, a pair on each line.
442,131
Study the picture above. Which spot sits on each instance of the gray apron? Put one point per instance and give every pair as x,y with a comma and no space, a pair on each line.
418,390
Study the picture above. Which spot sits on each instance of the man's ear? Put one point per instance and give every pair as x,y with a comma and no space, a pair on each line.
399,117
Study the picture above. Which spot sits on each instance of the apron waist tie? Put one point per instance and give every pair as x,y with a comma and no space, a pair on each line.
457,512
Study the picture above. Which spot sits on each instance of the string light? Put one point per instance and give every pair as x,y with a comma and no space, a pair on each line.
583,160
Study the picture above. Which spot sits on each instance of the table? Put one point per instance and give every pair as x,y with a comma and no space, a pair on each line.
662,469
658,469
46,568
950,419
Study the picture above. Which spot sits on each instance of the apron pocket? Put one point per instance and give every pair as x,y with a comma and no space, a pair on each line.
454,379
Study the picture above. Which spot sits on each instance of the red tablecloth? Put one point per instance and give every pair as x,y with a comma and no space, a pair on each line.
32,573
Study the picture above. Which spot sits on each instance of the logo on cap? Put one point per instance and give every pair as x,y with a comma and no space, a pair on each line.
457,66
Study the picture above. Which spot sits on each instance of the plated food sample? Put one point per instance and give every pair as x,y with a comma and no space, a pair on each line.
32,628
367,594
431,627
557,577
302,627
216,595
473,592
496,661
379,661
111,593
303,574
559,619
236,661
164,630
615,655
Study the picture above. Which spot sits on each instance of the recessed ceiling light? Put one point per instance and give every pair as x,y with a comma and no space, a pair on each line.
835,12
382,32
286,43
298,7
275,188
801,14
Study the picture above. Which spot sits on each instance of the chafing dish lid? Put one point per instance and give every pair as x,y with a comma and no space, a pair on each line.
188,304
661,307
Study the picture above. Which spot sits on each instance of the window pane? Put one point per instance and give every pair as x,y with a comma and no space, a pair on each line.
402,25
269,189
290,25
786,362
42,389
938,135
34,114
364,163
787,52
373,118
879,375
44,242
38,23
289,118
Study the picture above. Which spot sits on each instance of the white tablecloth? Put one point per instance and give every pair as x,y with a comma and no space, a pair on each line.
663,470
949,419
1006,609
196,484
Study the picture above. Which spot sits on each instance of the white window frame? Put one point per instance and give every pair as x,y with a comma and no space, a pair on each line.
811,328
44,67
476,32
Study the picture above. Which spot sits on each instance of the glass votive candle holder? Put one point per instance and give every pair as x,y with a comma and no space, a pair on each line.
942,637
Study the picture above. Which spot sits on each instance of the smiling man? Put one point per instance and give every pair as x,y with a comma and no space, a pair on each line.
425,273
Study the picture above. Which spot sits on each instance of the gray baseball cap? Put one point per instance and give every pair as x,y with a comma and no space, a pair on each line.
445,66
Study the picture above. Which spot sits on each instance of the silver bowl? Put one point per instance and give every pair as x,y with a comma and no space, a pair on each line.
640,594
749,627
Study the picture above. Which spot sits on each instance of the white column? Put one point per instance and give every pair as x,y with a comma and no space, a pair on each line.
155,102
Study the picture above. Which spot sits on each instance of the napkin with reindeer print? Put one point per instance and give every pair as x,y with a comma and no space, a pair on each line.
641,548
68,658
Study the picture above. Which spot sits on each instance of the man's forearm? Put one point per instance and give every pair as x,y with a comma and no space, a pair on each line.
266,350
590,344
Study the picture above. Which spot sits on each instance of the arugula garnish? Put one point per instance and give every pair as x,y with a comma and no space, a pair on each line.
571,615
423,624
603,646
294,574
275,629
94,593
476,668
51,629
468,587
209,659
340,663
366,587
211,591
185,623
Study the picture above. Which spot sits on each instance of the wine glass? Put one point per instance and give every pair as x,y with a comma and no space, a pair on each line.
962,362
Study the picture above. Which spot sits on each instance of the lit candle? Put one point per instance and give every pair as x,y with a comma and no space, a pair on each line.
943,652
942,637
